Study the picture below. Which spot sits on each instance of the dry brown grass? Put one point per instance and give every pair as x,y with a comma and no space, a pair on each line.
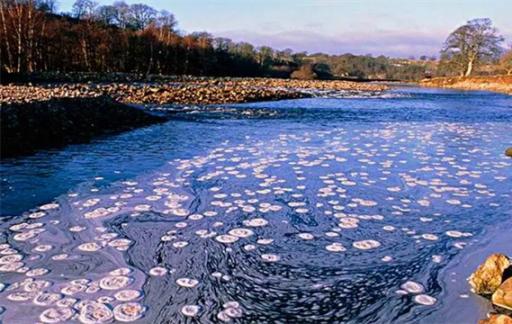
496,83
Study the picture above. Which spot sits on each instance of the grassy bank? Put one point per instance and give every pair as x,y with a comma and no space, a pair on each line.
497,83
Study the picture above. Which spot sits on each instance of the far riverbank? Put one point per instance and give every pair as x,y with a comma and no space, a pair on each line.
497,83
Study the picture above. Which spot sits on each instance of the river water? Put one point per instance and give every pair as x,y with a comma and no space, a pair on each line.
339,209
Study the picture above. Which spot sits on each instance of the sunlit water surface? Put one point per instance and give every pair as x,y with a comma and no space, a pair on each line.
318,209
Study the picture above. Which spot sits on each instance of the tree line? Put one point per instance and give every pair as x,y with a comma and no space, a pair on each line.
139,39
117,38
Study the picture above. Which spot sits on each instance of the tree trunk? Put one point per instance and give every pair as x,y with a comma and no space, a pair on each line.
8,66
469,68
30,45
41,48
85,54
19,31
150,64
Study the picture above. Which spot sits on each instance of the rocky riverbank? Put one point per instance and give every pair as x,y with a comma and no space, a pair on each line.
192,91
27,126
498,83
493,279
49,114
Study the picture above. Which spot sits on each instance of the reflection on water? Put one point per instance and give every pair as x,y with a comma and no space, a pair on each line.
301,210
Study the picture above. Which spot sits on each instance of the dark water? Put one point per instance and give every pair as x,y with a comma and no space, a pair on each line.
311,210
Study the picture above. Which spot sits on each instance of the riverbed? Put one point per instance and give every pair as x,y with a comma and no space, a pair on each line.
341,208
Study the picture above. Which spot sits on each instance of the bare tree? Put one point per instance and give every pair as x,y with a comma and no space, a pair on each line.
470,44
84,8
166,20
506,61
47,5
107,14
222,44
20,21
122,18
6,64
142,15
265,55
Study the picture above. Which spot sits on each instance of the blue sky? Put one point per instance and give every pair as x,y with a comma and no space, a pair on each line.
389,27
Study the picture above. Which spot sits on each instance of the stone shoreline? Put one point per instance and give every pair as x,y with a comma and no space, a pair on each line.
198,91
498,83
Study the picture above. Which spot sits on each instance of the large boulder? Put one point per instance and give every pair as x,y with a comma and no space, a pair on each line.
497,319
503,295
489,275
508,152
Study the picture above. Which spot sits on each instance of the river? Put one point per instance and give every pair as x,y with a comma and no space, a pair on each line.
346,208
